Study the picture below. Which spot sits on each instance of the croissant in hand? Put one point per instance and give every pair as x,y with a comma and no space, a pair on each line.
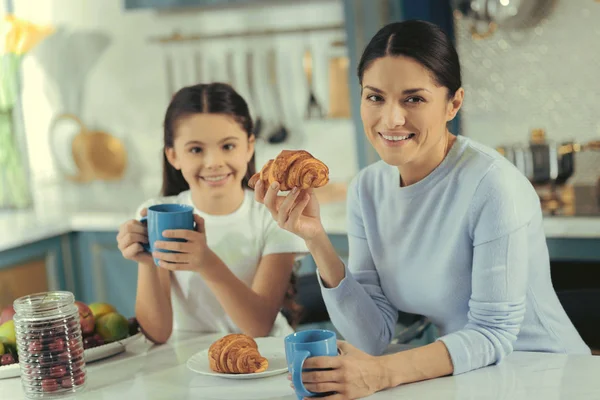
236,354
293,168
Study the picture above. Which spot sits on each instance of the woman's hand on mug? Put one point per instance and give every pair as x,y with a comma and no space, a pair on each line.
352,375
130,238
298,212
190,255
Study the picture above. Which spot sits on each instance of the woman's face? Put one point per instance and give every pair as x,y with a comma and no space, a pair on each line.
212,151
404,111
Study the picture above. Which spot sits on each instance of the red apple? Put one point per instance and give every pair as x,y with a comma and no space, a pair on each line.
7,314
7,359
86,318
99,339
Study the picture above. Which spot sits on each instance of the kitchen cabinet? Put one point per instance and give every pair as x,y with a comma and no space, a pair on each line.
340,242
90,265
103,274
574,249
36,267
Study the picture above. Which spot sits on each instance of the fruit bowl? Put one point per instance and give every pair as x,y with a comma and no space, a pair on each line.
105,333
91,354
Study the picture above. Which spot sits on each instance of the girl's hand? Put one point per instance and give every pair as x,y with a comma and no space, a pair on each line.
352,375
190,255
298,212
130,238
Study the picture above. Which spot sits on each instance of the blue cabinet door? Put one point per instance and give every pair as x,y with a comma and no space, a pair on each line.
39,266
574,249
103,274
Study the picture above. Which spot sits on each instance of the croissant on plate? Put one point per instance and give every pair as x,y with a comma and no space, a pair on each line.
236,354
293,168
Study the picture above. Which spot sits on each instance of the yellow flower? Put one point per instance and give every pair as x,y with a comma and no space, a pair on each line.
19,36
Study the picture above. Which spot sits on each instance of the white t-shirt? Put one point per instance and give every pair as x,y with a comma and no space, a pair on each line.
240,239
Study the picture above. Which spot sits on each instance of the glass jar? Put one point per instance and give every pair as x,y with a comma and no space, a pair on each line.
49,344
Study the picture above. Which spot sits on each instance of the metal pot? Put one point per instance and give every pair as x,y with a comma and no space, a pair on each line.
488,15
566,156
520,156
543,161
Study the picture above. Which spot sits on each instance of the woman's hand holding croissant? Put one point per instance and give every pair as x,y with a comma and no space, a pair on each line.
298,212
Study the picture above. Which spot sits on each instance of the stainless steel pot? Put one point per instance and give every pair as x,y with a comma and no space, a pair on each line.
488,15
543,161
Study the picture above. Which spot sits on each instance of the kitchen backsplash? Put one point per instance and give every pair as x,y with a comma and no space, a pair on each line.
126,90
545,77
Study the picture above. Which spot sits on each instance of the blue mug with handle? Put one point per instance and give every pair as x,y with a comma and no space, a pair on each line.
162,217
304,344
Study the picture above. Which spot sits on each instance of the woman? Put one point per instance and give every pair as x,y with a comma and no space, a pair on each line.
441,226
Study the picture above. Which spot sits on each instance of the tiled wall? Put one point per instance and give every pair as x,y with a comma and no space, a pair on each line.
546,77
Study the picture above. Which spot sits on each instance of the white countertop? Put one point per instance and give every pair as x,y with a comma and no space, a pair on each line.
104,207
145,371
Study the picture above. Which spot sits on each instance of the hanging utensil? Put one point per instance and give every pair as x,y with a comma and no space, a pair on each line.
169,75
280,133
65,136
313,108
339,92
258,125
198,67
229,66
106,155
96,154
489,15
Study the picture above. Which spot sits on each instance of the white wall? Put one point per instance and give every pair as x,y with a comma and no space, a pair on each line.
126,91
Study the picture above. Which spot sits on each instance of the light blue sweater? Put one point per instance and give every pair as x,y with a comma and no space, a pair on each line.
464,247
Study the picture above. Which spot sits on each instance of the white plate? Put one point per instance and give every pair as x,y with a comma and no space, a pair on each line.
91,355
109,349
270,347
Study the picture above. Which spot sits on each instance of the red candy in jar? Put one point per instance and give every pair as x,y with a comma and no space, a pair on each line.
48,334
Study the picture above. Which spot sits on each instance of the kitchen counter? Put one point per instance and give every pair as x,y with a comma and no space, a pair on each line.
60,214
103,207
145,371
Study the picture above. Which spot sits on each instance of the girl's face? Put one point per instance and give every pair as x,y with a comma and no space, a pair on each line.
212,151
404,111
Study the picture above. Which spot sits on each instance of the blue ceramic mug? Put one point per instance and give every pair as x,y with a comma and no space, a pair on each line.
162,217
304,344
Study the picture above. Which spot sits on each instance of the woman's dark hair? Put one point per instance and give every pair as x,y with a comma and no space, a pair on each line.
422,41
211,98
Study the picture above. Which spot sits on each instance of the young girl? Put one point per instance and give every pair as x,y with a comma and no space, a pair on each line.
233,272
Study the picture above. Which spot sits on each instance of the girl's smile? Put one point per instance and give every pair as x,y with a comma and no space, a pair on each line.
216,180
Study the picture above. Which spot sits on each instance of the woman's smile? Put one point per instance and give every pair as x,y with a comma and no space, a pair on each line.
395,139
